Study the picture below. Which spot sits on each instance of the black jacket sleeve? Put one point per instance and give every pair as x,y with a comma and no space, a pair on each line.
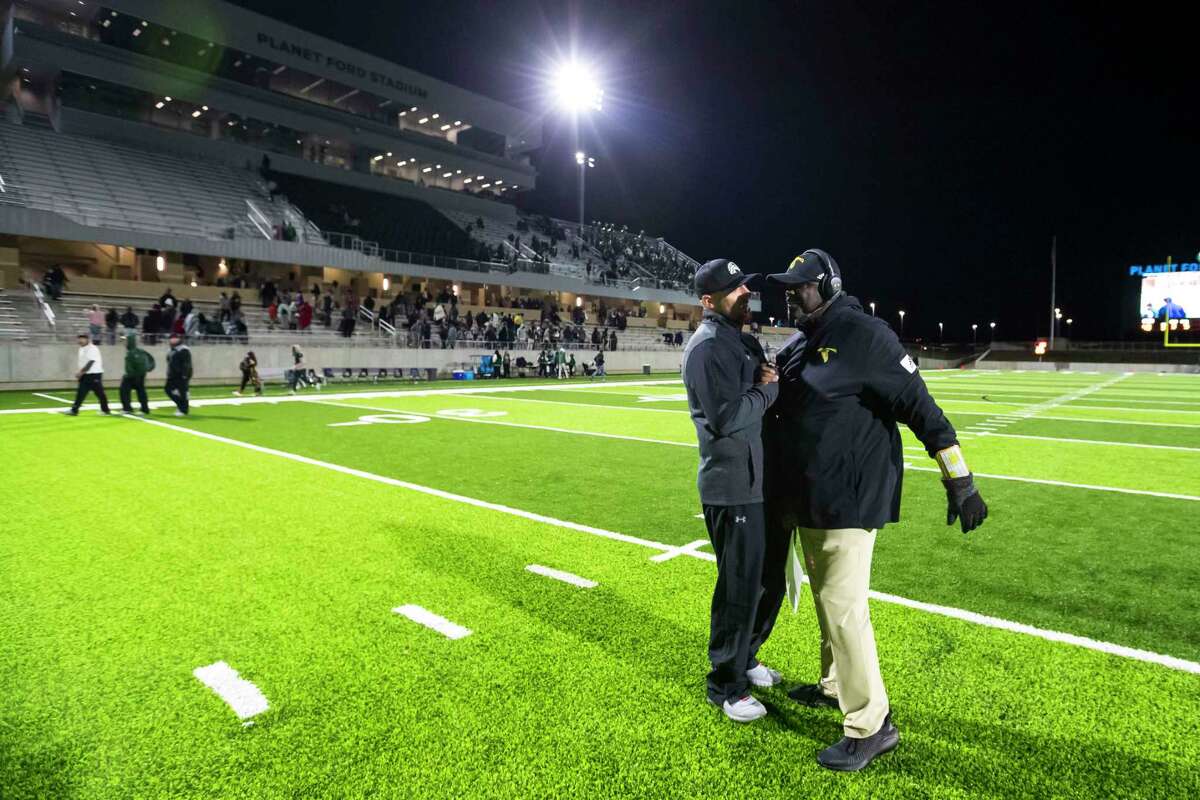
717,384
893,377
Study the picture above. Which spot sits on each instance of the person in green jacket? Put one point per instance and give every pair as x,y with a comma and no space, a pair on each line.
138,362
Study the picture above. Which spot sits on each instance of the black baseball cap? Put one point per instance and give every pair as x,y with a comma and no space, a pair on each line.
720,275
808,267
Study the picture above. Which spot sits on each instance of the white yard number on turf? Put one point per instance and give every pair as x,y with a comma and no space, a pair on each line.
382,419
469,412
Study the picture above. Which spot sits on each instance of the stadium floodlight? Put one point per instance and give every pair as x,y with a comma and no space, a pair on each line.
579,157
576,88
387,283
872,304
901,323
939,331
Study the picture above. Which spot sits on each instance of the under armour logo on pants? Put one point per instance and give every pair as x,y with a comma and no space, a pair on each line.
739,519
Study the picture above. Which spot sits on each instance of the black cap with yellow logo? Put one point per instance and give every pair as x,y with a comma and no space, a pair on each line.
804,268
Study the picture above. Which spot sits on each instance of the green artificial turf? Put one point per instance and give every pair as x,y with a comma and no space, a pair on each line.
130,554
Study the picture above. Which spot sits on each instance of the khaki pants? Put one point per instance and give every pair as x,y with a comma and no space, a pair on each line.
838,562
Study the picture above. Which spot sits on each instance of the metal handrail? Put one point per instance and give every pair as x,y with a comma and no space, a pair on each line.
47,311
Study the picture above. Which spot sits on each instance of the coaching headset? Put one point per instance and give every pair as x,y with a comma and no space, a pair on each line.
830,282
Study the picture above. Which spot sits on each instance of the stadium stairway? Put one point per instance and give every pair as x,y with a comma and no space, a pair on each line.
14,316
495,233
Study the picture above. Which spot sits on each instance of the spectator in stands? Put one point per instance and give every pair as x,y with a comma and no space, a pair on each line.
129,320
347,327
612,341
166,321
179,374
327,306
95,318
235,302
186,307
137,364
151,324
111,320
54,281
177,326
191,325
507,364
90,376
224,308
304,316
285,315
167,300
272,315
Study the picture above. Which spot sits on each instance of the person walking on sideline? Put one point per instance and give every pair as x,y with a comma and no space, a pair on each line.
599,361
249,368
137,364
90,376
179,374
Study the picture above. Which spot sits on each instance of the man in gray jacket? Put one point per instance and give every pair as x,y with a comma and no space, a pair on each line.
729,389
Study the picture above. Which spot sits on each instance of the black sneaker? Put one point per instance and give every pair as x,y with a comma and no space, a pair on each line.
810,694
851,755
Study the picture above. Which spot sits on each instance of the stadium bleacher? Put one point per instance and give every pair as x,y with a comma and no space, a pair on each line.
101,183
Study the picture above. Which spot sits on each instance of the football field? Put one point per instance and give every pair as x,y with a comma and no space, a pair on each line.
502,590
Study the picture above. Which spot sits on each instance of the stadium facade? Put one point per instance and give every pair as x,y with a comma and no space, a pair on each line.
150,141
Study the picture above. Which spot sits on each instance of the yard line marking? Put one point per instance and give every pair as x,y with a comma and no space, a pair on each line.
425,617
689,549
55,399
439,415
1097,442
416,487
693,445
969,616
1120,421
247,401
238,693
559,575
584,405
1053,636
1069,485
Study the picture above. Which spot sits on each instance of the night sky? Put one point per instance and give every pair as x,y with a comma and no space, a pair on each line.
933,150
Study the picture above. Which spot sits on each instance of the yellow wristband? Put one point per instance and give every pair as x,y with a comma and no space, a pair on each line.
952,463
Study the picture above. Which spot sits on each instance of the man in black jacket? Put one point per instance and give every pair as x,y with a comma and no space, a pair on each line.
834,469
728,390
179,374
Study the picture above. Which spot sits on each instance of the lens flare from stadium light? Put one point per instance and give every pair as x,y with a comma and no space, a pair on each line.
576,88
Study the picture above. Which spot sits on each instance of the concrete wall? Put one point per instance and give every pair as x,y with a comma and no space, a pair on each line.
54,365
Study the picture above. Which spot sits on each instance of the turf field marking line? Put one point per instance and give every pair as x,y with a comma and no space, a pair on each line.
584,405
1053,636
529,426
458,498
1070,440
559,575
239,694
689,549
1069,485
55,399
423,616
969,616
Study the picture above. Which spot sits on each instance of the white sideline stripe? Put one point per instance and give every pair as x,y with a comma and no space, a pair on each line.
1069,485
1097,442
968,616
247,401
435,415
425,617
52,397
238,693
559,575
1083,419
1053,636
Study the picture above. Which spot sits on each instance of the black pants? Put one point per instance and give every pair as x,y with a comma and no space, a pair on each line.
130,384
90,383
177,390
251,376
749,591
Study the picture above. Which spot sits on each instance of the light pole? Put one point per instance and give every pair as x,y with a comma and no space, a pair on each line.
1057,318
974,334
577,91
872,304
585,163
992,335
901,323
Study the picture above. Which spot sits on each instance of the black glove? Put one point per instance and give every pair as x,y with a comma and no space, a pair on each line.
964,503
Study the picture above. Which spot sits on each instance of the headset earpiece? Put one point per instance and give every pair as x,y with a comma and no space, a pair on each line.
830,282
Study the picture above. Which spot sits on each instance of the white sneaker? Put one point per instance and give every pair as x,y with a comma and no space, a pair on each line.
744,709
763,676
179,413
236,393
